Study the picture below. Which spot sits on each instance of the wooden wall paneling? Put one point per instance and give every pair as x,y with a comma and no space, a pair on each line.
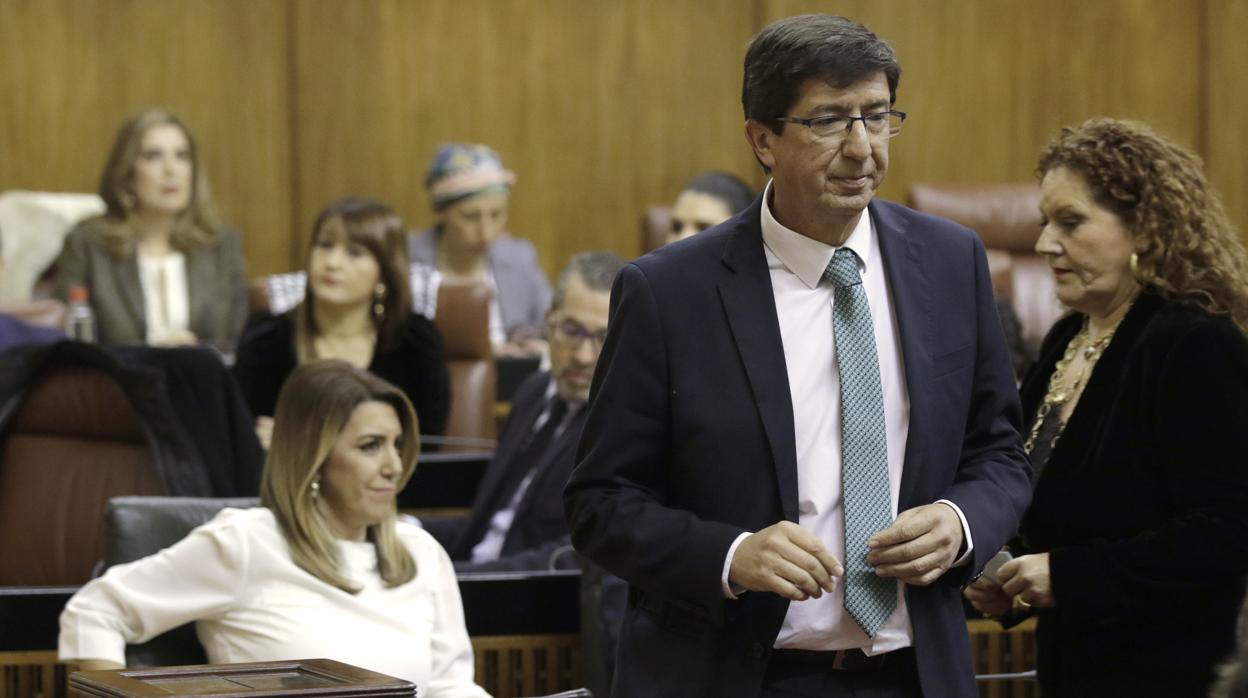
600,108
72,70
990,81
1226,22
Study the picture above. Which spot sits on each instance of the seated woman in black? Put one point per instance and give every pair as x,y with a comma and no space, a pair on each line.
358,310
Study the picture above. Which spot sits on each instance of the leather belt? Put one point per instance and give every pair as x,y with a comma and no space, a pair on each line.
842,660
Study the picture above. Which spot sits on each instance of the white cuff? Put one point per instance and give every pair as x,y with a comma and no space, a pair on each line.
731,590
966,534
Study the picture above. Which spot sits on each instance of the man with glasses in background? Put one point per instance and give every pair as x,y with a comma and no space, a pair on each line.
517,520
803,437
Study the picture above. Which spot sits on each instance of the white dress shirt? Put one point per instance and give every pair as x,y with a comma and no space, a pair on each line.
804,308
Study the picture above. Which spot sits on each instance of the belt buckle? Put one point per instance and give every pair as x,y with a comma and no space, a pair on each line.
838,660
856,660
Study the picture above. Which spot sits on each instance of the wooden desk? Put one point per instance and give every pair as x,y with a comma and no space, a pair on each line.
324,678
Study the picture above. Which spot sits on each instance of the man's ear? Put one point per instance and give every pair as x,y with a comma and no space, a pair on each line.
761,139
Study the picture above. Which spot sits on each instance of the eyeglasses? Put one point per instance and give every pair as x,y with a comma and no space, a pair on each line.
879,126
573,333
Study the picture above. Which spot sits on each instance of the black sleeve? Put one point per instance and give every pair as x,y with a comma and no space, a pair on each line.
264,359
422,356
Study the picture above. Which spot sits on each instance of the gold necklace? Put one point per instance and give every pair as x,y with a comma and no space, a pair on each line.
1059,394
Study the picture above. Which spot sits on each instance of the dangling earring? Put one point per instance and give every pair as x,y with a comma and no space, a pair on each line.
1135,267
127,201
316,489
379,308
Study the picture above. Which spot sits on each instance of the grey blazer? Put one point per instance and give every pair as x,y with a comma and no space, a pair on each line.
216,280
523,292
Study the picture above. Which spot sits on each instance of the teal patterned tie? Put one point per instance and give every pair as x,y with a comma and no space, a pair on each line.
864,454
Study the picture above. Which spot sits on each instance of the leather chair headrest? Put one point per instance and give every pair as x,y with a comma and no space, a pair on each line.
1006,216
463,319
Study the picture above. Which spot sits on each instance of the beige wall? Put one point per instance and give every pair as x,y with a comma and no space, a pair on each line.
601,107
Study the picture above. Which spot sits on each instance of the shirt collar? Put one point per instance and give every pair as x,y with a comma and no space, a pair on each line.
807,257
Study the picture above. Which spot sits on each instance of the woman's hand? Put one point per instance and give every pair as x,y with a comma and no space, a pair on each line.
264,431
1027,577
177,338
988,598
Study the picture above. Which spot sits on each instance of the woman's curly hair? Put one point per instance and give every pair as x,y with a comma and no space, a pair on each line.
1186,246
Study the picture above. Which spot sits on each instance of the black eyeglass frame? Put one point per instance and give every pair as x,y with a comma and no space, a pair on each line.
849,121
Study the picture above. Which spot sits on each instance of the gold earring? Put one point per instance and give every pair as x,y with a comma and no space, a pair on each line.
1135,267
316,489
379,307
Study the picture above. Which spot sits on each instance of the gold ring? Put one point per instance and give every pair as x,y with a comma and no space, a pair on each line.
1020,602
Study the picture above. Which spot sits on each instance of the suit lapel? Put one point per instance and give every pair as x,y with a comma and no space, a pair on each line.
908,285
750,306
132,291
199,271
566,441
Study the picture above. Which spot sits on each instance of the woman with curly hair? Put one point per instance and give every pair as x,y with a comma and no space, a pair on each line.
1135,548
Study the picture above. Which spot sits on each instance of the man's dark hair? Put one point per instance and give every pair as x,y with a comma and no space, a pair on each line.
790,51
596,270
728,188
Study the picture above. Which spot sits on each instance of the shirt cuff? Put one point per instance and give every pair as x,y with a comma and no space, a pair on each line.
965,558
731,590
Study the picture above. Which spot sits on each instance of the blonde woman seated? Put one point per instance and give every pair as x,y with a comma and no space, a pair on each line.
158,266
322,569
358,309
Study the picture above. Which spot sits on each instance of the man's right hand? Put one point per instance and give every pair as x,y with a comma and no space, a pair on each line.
784,559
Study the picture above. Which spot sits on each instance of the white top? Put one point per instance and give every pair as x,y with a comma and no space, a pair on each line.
804,303
166,299
235,577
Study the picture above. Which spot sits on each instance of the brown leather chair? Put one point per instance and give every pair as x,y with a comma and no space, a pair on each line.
656,223
1007,218
463,318
74,443
46,312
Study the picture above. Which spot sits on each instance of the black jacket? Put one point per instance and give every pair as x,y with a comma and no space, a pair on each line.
415,363
1143,506
193,416
538,538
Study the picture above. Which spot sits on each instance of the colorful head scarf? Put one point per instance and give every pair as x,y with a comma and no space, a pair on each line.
461,170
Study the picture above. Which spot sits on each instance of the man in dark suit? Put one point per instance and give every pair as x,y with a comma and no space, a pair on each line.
517,520
803,435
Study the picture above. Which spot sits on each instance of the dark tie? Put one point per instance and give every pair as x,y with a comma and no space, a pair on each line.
530,453
869,599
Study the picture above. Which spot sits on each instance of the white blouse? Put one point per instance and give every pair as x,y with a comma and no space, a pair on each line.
235,577
166,297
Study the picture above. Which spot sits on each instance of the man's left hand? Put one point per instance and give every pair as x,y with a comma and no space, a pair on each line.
920,545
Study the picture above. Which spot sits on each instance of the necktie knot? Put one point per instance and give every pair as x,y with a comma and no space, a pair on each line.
843,269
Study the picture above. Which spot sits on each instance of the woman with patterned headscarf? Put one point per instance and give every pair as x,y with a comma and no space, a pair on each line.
469,189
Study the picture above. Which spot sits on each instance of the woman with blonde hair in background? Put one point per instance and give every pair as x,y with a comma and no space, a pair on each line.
1134,551
158,266
358,308
322,569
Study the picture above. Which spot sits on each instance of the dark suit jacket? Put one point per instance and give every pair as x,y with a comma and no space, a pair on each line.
523,291
689,442
216,281
1143,506
539,531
